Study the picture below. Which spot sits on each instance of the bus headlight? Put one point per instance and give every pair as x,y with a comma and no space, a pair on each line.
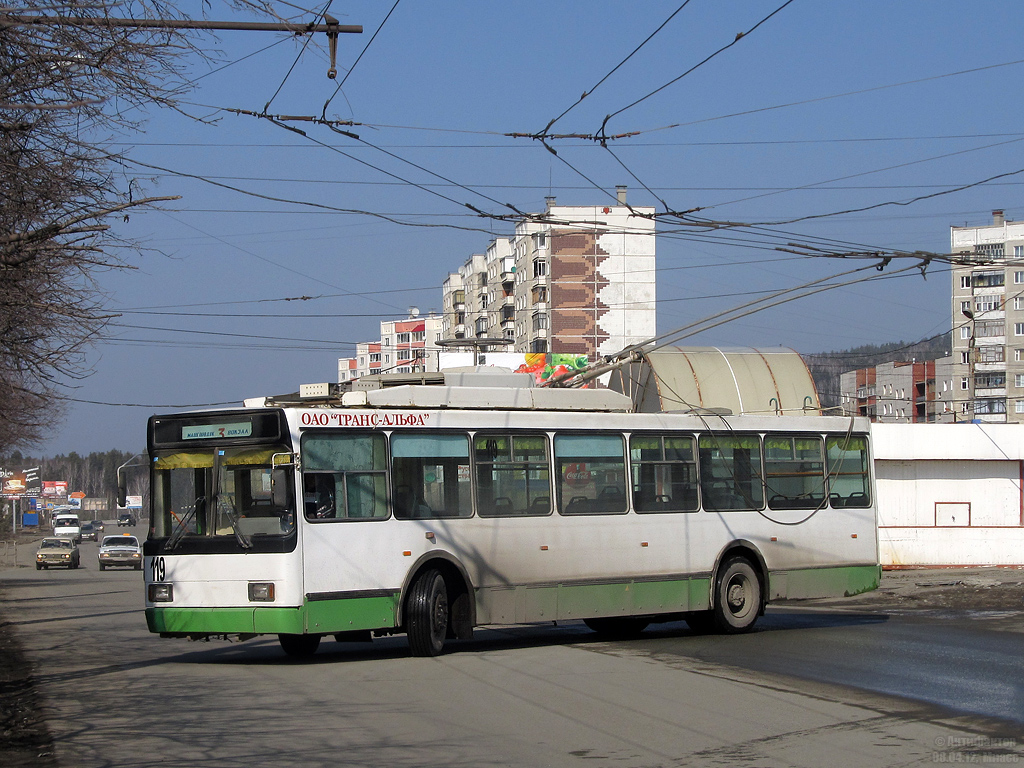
261,591
161,593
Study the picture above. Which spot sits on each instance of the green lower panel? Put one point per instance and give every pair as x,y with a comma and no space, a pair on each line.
326,616
661,596
225,620
586,600
826,582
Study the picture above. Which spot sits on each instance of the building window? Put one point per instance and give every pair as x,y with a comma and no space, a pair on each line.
988,279
403,338
1018,380
540,268
385,341
418,335
481,326
990,380
965,281
1018,278
965,332
989,328
965,382
1018,302
540,321
989,406
991,250
540,294
404,354
965,358
987,354
1018,250
986,304
375,357
1018,329
965,306
1018,406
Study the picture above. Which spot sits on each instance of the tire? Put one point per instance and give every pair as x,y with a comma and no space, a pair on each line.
427,615
102,567
299,646
737,597
39,567
618,628
138,566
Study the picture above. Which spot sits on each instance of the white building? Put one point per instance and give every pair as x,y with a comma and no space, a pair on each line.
950,494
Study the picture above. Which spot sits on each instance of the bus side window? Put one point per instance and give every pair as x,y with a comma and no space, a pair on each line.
512,475
318,495
344,476
590,474
430,474
849,480
730,471
664,473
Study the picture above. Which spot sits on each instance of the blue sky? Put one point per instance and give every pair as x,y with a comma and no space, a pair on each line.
882,108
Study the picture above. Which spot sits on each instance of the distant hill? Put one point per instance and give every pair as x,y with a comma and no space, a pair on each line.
826,367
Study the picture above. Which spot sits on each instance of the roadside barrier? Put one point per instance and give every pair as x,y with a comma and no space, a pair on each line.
9,553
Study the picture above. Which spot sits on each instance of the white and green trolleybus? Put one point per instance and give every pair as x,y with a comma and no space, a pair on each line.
430,510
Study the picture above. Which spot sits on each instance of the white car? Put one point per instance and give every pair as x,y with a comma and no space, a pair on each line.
67,527
122,550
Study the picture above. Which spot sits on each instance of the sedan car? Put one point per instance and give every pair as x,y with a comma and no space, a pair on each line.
123,550
125,519
57,552
91,531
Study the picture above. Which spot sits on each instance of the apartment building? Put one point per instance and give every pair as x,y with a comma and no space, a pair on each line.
988,320
902,392
573,280
405,346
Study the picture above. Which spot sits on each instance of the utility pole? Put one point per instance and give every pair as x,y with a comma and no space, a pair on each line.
10,17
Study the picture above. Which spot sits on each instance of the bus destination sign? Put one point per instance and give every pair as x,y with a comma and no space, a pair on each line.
213,431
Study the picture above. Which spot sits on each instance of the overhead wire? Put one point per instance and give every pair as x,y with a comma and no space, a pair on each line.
358,58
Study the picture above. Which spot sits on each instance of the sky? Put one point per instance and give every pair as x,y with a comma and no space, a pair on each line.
286,249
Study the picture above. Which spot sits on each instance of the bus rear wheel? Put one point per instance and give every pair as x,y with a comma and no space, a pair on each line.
737,597
427,614
299,646
618,628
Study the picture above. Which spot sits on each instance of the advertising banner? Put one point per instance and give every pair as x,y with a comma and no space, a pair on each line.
53,488
14,484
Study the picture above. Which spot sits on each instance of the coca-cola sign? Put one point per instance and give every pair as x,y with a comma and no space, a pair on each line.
577,475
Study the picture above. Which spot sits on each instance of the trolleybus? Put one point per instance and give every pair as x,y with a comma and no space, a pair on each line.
432,510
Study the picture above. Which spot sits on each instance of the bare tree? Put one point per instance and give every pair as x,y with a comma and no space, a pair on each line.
66,92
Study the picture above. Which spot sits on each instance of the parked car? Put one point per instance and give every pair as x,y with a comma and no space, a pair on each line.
67,526
125,519
120,550
90,530
57,551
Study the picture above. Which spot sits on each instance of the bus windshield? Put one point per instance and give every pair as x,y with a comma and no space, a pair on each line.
241,494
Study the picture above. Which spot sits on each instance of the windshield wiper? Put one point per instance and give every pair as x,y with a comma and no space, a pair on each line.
178,533
228,511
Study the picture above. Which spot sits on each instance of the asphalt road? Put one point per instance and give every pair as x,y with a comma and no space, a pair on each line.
809,688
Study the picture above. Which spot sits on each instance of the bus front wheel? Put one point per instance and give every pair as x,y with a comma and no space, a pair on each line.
737,597
299,646
427,614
